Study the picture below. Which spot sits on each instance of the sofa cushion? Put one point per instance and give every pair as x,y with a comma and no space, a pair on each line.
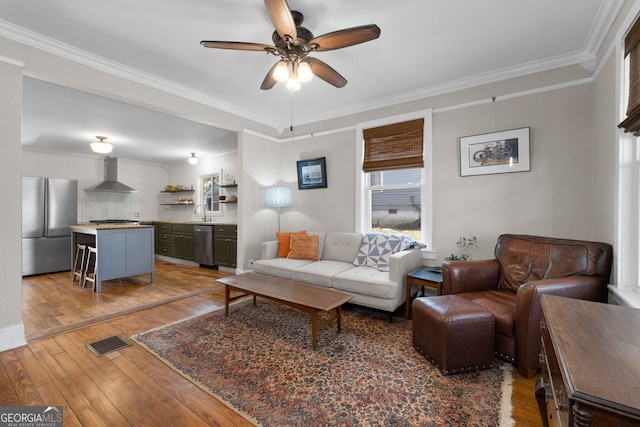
284,242
376,249
341,246
366,281
279,267
527,258
304,247
321,272
501,304
321,237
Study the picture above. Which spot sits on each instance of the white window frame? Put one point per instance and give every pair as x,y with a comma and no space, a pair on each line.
626,275
363,194
213,176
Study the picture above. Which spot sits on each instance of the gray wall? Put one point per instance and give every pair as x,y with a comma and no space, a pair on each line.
555,198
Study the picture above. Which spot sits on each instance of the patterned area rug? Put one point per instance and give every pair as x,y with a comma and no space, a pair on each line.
260,362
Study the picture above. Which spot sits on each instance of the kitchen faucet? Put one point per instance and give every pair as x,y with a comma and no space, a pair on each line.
204,210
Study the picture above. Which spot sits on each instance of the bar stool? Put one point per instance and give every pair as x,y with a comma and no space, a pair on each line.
91,267
78,264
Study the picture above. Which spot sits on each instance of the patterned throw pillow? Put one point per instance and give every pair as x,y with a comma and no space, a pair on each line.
376,249
284,242
304,247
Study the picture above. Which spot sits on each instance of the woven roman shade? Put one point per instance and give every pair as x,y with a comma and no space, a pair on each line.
395,146
632,48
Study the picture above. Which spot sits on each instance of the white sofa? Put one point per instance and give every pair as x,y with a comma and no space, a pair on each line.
370,287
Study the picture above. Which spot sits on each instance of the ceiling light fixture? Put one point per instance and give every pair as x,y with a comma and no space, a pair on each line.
193,159
293,69
293,43
101,147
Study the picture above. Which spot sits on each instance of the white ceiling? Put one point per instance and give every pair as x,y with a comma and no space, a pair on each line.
425,47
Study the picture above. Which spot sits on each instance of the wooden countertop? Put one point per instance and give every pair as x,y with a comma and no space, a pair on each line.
107,226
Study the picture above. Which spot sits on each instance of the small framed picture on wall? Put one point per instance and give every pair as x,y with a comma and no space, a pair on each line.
497,152
312,173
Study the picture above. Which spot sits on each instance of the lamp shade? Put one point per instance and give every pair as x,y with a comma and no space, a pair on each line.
277,197
101,147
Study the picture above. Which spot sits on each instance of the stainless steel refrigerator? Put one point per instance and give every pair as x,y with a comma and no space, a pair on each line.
49,207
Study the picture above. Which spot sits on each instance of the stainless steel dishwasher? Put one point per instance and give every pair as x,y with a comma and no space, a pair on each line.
203,244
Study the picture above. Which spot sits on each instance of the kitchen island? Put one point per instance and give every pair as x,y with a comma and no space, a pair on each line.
122,250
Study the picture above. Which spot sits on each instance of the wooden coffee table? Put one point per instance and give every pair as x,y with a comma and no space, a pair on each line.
308,298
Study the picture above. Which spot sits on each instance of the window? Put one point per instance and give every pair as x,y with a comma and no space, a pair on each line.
627,246
396,201
210,192
395,196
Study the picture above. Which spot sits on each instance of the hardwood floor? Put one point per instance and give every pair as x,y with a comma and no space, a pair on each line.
51,304
130,386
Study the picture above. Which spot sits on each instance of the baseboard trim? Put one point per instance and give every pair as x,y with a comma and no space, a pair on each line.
12,337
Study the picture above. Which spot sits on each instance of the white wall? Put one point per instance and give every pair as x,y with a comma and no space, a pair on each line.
554,199
189,175
259,160
321,209
147,178
11,327
604,142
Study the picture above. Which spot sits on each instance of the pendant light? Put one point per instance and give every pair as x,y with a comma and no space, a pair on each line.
193,159
101,147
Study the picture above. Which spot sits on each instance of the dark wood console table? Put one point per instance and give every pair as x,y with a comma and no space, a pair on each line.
590,363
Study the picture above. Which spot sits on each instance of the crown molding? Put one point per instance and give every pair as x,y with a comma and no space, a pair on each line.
605,20
574,58
63,50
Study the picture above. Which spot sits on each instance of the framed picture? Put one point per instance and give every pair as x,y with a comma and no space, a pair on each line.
498,152
312,173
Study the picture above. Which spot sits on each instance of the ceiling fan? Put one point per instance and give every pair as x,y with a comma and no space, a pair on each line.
293,44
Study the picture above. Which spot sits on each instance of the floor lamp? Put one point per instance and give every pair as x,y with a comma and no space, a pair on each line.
277,197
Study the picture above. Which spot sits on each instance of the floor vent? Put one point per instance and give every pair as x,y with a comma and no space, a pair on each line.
107,345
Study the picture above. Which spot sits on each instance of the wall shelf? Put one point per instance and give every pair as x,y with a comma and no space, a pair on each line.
182,198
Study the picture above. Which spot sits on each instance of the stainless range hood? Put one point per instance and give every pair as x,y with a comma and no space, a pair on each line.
111,183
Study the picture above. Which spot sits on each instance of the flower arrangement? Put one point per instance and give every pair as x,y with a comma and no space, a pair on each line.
465,245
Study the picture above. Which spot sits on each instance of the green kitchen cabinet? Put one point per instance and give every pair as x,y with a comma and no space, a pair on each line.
175,240
182,241
225,245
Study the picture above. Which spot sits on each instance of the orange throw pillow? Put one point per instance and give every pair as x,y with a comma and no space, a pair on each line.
304,247
284,241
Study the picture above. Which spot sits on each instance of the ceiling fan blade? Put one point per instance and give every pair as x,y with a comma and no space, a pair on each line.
282,19
238,46
343,38
326,73
269,81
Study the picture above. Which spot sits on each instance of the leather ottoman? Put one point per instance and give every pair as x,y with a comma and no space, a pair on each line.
453,333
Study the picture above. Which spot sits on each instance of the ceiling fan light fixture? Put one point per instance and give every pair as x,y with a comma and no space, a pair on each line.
101,147
293,84
193,159
281,72
304,72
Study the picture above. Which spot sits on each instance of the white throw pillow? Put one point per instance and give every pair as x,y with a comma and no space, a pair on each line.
376,249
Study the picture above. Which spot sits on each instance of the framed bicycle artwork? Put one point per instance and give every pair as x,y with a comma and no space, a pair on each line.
498,152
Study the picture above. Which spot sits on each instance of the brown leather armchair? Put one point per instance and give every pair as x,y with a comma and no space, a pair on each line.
510,286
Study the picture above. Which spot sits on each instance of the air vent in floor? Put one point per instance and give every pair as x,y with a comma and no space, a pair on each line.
107,345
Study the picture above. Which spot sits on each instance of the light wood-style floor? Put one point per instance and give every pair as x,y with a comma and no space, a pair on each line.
130,386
